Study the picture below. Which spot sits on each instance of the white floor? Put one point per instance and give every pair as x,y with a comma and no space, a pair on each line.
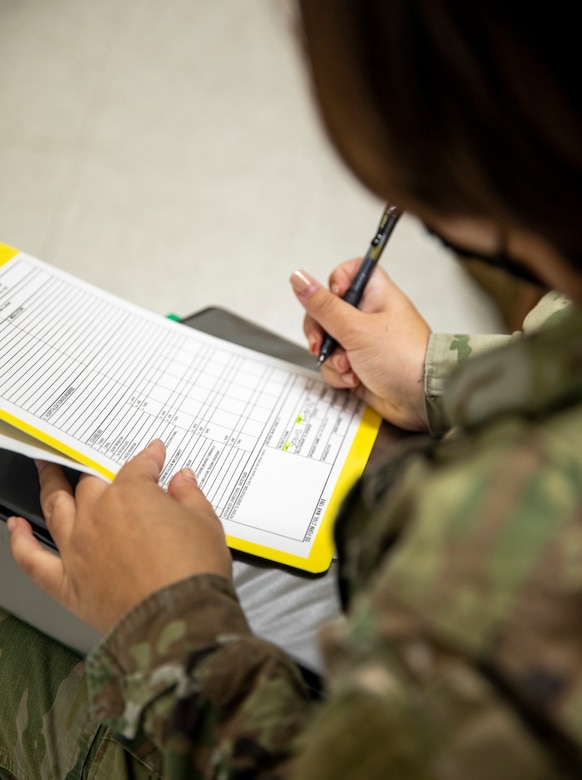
170,153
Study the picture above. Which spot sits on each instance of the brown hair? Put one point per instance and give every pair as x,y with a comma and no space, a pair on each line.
468,107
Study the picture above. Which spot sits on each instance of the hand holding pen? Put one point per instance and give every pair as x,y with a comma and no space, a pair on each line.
353,294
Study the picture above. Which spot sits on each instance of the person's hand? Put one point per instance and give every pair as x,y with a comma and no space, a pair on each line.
119,543
383,342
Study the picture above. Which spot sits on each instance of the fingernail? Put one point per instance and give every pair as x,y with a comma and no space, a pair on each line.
312,344
335,289
303,284
348,379
188,475
40,465
11,524
341,363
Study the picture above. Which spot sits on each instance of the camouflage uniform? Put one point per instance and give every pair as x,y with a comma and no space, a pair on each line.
446,352
461,575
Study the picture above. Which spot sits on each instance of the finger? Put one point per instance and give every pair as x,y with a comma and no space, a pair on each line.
51,478
43,567
56,499
184,488
336,364
339,380
339,361
350,380
313,333
89,488
146,465
339,281
333,314
342,276
343,367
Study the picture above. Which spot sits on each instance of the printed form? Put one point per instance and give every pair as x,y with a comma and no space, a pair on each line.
97,378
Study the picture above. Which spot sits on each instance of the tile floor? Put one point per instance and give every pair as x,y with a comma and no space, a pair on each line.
170,153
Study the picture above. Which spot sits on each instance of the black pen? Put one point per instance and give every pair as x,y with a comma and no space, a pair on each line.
356,289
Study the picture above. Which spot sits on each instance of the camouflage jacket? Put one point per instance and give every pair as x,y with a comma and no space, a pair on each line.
447,351
461,576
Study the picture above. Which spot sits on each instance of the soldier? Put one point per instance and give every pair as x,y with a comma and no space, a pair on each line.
460,556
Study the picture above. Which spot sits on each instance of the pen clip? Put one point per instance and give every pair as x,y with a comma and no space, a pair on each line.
389,219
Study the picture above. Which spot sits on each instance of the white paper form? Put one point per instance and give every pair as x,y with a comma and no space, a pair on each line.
15,440
98,378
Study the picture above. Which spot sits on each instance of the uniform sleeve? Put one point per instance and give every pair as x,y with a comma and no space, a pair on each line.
447,351
215,699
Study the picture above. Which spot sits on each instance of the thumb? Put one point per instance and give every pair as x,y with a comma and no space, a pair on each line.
43,567
332,313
